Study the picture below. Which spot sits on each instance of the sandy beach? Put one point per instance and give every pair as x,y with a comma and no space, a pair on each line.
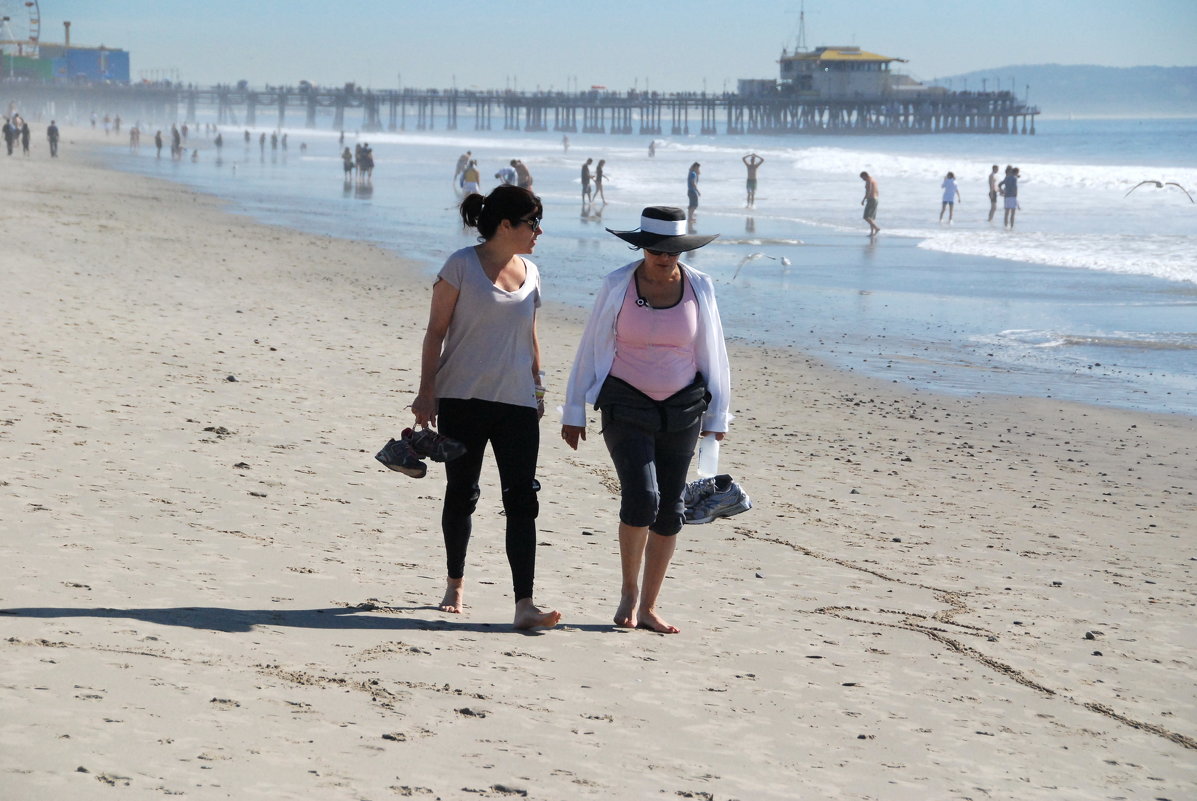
212,589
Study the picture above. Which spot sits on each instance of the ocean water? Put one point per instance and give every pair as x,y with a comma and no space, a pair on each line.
1091,297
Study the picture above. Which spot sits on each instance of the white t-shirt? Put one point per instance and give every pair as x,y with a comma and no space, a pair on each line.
949,190
487,352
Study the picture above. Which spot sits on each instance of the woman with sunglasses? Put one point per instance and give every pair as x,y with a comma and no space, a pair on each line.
653,361
479,383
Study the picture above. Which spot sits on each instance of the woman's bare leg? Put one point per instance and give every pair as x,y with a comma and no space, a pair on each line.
657,555
632,540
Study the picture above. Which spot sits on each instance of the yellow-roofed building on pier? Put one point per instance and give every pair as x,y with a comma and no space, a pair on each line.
842,73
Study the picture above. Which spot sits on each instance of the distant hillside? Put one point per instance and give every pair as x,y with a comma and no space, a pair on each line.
1061,90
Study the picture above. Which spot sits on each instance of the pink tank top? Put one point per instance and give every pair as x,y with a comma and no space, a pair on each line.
654,348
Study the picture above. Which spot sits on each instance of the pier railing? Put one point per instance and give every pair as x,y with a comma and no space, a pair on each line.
638,113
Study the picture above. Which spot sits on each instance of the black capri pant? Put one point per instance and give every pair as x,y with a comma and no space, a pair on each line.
652,468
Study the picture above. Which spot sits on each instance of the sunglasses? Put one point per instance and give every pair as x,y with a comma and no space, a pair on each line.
660,252
533,222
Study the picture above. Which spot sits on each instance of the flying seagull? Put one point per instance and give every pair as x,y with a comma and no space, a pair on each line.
1161,185
751,256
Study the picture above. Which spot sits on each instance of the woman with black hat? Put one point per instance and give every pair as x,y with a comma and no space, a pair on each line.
653,361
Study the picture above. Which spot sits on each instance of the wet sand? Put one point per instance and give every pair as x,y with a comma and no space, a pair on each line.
213,590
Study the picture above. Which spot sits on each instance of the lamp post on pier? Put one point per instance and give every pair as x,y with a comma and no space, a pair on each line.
4,27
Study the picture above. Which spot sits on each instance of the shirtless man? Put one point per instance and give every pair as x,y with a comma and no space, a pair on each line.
993,192
462,162
586,194
870,202
523,177
752,161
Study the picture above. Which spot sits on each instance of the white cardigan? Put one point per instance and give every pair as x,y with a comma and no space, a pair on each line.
596,351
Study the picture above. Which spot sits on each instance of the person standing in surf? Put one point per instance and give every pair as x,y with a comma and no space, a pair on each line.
870,202
993,192
1009,189
692,192
951,194
752,161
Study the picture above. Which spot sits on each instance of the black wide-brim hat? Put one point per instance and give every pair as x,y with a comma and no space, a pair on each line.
663,228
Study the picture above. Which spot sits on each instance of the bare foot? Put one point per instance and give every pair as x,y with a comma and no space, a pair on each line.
625,615
528,616
649,619
453,593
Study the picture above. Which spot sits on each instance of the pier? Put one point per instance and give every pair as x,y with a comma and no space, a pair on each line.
928,110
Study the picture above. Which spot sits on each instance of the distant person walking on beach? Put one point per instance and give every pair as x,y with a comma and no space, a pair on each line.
951,194
158,142
870,202
586,195
598,180
10,135
993,192
653,361
752,161
652,148
480,383
522,175
1009,190
52,136
347,163
692,192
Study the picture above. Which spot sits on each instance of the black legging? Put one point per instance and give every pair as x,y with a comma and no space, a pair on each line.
514,435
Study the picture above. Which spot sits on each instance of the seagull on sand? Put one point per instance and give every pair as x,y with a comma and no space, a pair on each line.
1161,185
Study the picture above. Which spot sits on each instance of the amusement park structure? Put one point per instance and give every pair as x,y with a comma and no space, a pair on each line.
20,28
24,56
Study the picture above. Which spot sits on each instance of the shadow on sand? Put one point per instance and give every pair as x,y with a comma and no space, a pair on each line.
362,616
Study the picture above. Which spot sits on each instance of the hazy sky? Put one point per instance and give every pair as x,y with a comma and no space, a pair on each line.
621,44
